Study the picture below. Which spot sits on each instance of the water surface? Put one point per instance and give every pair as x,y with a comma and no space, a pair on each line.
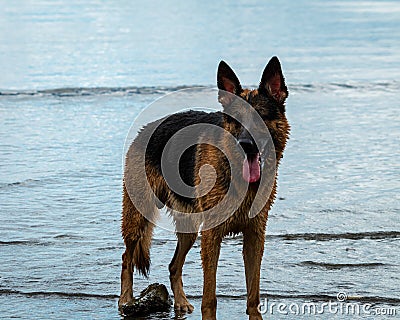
74,77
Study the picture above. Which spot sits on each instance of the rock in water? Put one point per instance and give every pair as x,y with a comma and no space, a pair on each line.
155,298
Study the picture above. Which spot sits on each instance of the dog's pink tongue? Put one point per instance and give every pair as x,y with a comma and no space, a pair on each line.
251,168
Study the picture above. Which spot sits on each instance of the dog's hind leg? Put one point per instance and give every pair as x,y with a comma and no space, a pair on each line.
185,242
127,274
253,249
137,232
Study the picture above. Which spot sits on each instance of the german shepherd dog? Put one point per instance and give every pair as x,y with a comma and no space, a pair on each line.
268,100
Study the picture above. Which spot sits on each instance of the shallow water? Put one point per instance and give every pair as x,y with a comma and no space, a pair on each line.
75,76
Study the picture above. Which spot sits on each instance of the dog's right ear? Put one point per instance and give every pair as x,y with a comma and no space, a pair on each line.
273,82
227,79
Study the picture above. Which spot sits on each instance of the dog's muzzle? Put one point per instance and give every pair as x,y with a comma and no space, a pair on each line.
251,164
248,145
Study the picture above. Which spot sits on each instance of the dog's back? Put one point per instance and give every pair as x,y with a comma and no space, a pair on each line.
159,133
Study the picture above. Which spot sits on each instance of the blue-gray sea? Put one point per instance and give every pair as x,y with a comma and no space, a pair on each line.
75,74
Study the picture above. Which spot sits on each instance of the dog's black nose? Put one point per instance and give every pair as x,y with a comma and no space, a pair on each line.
248,145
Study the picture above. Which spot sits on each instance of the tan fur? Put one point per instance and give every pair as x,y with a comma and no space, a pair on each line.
137,231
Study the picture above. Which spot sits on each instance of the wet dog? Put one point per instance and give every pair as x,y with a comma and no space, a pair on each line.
237,169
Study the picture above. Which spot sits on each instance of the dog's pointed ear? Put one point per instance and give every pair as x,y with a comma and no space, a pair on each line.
273,82
227,79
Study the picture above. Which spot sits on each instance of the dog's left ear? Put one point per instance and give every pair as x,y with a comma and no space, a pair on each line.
227,79
273,82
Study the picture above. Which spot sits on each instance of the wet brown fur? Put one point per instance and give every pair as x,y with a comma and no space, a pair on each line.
137,230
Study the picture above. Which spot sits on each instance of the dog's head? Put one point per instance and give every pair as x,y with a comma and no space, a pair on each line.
245,108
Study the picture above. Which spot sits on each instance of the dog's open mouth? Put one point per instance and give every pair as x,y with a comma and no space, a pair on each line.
251,168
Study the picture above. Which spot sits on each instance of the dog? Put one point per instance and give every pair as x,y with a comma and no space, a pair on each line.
242,171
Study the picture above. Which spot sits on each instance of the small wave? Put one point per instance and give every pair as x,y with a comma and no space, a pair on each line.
334,266
304,297
111,248
377,235
159,242
47,180
68,236
76,295
336,211
26,182
389,86
96,91
26,243
18,243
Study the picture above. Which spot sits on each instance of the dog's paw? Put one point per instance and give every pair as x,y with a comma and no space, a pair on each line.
123,306
183,305
123,303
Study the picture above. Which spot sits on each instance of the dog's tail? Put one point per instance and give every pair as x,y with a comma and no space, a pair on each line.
141,255
137,232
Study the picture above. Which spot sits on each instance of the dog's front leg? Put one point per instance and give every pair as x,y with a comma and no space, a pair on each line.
210,249
253,249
